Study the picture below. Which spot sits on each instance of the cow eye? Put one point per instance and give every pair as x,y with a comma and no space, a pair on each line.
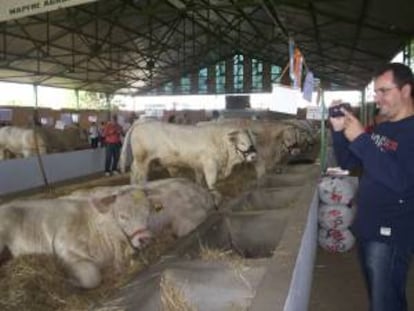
123,217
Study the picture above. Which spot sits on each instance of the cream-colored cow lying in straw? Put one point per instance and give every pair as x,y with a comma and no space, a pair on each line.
176,202
86,235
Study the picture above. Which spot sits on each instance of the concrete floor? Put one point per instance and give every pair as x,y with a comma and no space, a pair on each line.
338,284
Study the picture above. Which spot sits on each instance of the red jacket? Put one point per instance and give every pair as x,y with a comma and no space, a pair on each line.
112,133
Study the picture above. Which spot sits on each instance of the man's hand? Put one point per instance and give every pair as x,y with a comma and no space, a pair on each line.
353,128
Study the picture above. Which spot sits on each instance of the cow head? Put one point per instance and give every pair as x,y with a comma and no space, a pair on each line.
130,210
290,140
244,143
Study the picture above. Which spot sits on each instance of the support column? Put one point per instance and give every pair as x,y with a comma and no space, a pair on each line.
267,77
247,75
211,80
229,85
108,106
77,99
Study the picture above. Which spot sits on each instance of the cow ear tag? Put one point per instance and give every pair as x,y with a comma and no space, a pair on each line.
157,206
138,196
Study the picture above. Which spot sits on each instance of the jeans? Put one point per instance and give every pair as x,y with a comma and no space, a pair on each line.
385,268
112,157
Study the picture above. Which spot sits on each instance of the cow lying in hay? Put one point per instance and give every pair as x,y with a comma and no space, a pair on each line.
175,202
211,152
20,142
85,235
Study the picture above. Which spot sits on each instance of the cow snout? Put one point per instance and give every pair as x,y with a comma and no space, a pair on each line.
295,151
140,238
251,157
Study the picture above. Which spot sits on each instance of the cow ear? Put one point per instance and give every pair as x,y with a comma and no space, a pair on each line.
103,204
232,136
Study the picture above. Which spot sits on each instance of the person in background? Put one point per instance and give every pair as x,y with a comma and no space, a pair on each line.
171,118
101,138
112,135
215,115
186,118
93,135
384,222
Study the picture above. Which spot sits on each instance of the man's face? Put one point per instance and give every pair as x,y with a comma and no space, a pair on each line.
388,97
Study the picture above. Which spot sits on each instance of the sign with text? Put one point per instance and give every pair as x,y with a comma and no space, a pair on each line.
315,113
6,115
20,8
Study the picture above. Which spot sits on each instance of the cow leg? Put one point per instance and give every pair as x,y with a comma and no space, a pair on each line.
2,244
172,171
85,274
134,178
5,253
210,174
260,168
139,171
199,176
2,154
26,153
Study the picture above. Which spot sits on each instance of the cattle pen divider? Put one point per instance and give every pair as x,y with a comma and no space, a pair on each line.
17,175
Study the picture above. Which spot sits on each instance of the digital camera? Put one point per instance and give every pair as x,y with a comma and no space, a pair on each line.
335,111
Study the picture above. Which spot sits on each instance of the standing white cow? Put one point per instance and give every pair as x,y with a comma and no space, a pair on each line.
176,202
275,141
86,235
211,151
20,141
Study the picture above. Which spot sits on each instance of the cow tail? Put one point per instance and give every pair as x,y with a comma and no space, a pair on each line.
126,151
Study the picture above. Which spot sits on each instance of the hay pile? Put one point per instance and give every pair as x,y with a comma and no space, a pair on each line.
173,298
39,282
234,260
173,295
35,282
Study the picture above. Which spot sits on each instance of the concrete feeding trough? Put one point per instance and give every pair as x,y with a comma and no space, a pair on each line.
265,243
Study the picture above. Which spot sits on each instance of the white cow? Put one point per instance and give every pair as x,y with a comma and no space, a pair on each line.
86,235
307,133
20,141
176,202
275,141
211,151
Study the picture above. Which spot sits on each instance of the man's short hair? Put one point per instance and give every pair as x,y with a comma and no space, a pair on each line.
402,75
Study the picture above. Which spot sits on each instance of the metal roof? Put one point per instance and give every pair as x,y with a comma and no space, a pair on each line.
133,46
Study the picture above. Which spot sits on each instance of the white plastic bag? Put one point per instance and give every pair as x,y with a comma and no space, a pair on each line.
335,216
336,241
336,189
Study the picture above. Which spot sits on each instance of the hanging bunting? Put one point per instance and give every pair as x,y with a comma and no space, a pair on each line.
297,68
308,86
291,59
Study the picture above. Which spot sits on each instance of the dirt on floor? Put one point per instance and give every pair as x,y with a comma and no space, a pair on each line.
338,284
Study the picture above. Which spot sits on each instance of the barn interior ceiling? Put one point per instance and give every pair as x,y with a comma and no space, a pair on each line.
133,46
